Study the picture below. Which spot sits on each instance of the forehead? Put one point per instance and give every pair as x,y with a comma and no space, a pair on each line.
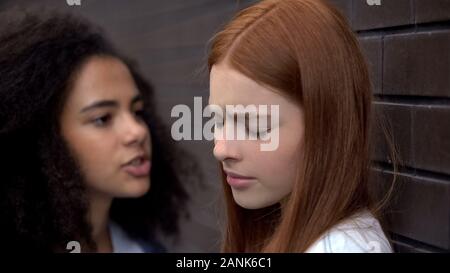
230,87
102,78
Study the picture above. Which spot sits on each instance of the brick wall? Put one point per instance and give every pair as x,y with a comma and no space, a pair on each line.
407,44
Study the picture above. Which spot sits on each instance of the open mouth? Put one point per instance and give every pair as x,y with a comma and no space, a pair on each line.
138,167
137,161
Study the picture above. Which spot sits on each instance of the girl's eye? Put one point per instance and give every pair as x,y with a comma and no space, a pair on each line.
102,121
254,131
263,132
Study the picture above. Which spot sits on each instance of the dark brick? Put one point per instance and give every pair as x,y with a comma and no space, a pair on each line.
402,247
388,14
431,138
419,207
391,126
372,49
191,26
345,7
246,3
432,11
417,64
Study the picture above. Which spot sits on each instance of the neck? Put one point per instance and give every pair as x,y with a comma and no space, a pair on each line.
99,218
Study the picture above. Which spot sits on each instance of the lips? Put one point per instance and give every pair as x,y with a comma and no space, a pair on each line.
138,166
238,181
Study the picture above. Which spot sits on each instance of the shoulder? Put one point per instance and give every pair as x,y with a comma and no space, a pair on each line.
361,233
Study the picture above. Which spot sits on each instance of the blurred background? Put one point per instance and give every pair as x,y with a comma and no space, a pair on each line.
407,46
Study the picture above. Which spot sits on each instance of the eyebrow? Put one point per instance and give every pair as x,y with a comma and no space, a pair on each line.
109,103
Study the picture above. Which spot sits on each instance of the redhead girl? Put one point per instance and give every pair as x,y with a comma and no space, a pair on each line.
311,193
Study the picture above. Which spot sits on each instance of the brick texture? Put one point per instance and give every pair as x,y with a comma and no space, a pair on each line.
407,47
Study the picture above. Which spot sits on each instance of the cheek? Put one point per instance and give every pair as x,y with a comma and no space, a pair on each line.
279,167
94,160
94,153
280,173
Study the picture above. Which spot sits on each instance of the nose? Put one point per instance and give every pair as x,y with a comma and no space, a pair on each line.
226,150
135,132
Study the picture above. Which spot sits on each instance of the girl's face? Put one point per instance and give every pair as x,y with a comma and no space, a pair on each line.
257,178
103,127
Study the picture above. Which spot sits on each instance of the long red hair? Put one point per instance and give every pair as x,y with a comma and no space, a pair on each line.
306,49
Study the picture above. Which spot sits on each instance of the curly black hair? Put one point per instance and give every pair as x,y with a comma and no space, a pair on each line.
42,197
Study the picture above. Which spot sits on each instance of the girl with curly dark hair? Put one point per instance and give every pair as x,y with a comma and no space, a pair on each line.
83,155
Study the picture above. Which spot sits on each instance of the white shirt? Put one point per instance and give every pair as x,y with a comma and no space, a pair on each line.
361,233
122,242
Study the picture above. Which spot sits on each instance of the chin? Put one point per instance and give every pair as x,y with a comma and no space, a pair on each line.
248,203
135,189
